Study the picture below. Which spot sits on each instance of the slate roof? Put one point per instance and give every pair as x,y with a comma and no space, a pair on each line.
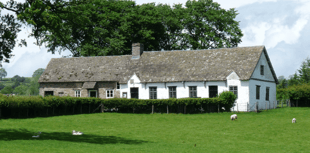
158,66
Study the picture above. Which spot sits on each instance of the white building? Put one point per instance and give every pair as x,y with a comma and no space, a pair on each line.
246,71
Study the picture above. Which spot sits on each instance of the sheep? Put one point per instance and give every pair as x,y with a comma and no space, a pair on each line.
233,117
294,120
77,132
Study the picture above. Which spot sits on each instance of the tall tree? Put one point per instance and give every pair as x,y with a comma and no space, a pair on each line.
3,73
304,71
109,27
38,72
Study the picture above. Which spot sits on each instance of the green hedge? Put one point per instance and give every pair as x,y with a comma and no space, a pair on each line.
24,106
296,93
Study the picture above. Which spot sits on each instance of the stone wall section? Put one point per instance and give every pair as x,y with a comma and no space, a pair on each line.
69,88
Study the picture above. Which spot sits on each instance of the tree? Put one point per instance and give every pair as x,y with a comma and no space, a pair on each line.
282,82
293,80
101,27
304,71
1,86
21,90
7,90
9,27
38,72
17,78
34,86
3,73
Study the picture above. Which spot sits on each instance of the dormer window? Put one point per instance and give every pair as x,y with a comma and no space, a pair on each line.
262,70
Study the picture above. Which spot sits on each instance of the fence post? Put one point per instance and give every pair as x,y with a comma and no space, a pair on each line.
297,103
289,103
281,103
247,107
167,110
184,109
152,109
274,105
256,107
266,105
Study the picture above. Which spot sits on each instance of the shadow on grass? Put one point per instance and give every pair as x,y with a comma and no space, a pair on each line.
23,134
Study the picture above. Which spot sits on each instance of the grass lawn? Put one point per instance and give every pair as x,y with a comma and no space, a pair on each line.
268,131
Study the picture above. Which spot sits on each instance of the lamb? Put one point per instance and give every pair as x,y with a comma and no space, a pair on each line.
294,120
235,116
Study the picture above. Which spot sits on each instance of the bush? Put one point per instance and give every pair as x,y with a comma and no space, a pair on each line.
228,98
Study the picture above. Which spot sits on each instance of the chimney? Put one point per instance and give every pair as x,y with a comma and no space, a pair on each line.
137,50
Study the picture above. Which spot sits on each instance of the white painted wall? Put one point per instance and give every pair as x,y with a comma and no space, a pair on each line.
266,80
243,92
267,72
262,100
246,89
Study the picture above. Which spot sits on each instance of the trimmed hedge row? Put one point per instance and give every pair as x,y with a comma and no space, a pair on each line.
24,106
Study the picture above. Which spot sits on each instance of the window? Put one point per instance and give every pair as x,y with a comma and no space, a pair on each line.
192,92
77,93
110,93
117,86
234,89
257,92
172,92
124,94
213,91
92,93
134,93
267,93
262,70
49,93
153,92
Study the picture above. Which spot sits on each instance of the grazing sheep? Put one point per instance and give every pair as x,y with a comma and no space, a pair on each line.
294,120
235,116
232,117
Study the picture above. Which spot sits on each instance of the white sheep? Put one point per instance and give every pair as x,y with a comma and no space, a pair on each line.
232,117
235,116
294,120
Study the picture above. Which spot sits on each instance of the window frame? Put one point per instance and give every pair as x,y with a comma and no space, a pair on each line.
152,94
267,93
191,91
235,91
106,93
175,91
262,70
79,94
258,92
91,91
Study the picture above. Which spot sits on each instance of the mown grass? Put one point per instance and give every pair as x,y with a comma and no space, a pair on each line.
268,131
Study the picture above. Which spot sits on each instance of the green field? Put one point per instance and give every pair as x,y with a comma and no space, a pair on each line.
268,131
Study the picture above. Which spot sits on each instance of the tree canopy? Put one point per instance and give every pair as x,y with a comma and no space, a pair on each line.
3,73
38,72
109,27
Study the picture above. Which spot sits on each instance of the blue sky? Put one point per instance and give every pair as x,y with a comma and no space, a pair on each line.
281,25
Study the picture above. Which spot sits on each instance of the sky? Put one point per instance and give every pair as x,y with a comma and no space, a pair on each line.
280,25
